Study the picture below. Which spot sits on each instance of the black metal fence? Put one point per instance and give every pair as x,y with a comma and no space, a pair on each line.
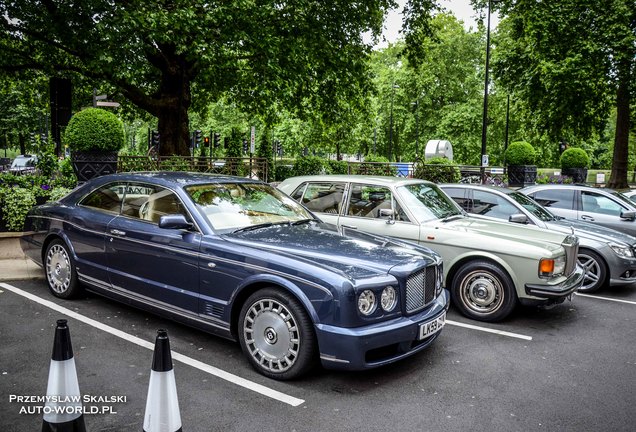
256,168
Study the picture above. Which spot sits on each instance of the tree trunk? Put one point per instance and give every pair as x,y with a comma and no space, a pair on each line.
618,178
174,133
22,143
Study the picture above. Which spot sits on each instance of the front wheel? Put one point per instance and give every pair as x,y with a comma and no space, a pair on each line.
483,291
277,335
60,271
595,270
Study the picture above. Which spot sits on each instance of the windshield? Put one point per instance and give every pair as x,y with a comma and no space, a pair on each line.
22,162
532,206
428,202
233,206
624,198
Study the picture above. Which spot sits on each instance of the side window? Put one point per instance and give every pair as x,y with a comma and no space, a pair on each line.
597,203
460,197
555,198
108,198
159,203
489,204
323,197
367,201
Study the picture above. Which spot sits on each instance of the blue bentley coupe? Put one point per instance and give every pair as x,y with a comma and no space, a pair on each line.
240,259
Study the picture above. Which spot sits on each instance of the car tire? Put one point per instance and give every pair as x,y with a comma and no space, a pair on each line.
60,272
481,290
277,335
595,270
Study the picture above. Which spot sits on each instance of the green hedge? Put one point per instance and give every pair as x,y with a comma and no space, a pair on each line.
520,153
94,130
574,158
438,170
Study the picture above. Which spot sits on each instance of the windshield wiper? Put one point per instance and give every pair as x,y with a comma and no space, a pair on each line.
254,227
302,221
452,217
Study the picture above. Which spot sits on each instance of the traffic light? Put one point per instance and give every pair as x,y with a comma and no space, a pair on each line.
155,138
244,146
206,141
562,146
197,138
217,140
279,148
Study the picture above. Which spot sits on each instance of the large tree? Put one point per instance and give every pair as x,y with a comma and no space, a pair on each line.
166,55
572,61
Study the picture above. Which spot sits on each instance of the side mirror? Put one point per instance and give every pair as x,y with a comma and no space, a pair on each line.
174,221
628,215
519,218
388,214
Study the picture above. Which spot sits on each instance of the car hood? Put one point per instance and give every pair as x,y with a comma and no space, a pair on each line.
591,231
348,251
500,233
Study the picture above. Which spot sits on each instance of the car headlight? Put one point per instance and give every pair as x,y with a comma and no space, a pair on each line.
388,299
366,302
549,267
622,250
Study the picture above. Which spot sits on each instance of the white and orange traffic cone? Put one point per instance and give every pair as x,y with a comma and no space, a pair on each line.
162,405
63,408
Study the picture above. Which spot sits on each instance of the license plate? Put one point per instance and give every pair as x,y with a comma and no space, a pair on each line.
433,326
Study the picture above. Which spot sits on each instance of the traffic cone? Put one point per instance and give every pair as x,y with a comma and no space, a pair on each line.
63,408
162,406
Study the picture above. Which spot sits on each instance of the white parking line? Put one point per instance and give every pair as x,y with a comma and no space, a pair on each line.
489,330
242,382
606,298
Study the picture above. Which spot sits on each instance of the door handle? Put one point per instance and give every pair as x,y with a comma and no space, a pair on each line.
587,218
349,226
117,232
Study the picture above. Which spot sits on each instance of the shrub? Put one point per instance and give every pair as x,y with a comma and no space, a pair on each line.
337,167
574,158
283,172
308,165
16,203
438,170
377,165
94,130
520,153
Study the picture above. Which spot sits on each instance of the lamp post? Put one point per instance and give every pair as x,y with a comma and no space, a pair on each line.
393,87
417,127
484,124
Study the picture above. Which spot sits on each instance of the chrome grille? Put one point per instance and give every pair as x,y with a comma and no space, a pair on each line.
420,289
571,246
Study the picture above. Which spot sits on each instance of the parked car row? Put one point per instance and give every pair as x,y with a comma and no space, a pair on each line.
348,271
489,266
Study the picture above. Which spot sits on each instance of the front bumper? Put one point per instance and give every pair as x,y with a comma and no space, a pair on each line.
622,270
560,290
378,344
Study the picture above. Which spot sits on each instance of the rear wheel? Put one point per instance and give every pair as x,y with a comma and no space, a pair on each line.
483,291
595,270
60,271
277,335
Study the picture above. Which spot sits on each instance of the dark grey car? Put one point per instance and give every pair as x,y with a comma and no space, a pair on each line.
605,207
607,254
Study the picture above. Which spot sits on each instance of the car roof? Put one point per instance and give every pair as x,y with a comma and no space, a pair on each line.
170,178
491,188
381,180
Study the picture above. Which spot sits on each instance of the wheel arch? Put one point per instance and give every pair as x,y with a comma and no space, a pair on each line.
459,263
252,285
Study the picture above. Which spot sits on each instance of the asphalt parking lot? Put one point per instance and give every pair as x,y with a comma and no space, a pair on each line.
571,368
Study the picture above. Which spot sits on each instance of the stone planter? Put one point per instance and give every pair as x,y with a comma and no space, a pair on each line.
579,175
88,165
522,175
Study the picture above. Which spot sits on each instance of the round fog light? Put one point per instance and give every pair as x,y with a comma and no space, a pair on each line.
366,302
388,299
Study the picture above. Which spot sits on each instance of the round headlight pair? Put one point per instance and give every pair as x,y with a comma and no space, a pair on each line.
367,302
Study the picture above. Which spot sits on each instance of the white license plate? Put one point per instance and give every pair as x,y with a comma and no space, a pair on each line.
433,326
